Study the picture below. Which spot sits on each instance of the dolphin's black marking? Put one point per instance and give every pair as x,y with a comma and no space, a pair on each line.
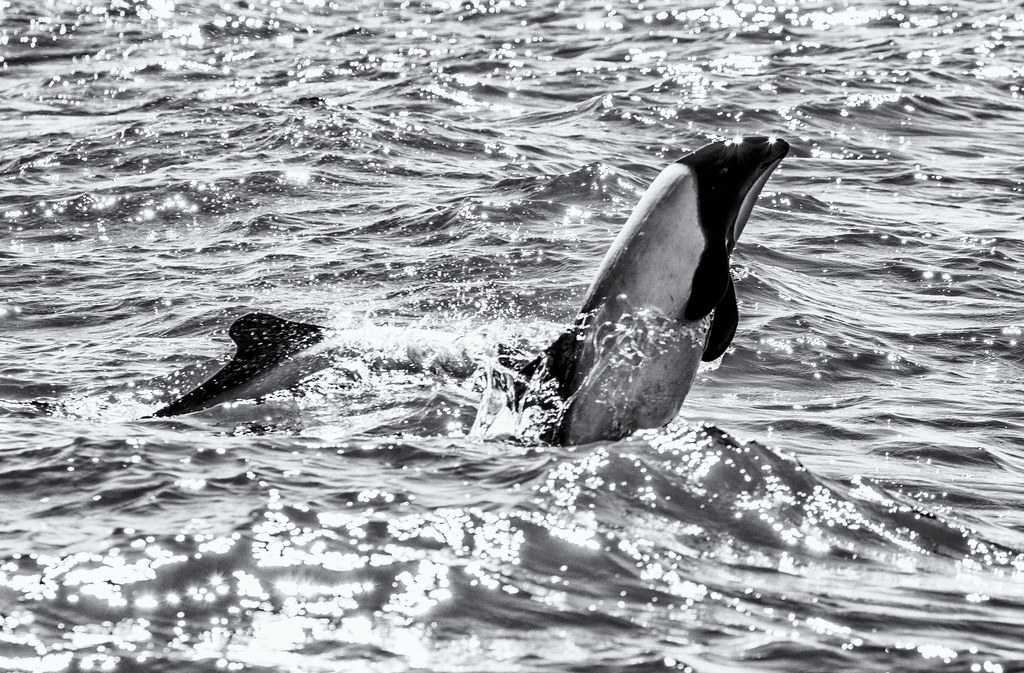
723,171
261,342
723,326
710,281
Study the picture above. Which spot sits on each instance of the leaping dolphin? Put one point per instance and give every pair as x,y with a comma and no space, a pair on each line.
662,301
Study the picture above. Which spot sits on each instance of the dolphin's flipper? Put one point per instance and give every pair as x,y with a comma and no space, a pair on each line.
261,341
723,326
711,281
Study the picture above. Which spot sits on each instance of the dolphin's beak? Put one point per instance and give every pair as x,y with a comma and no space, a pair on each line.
775,149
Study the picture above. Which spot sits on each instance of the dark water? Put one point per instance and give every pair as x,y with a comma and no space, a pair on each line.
842,493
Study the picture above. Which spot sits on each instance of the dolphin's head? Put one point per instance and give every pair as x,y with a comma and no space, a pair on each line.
673,252
730,175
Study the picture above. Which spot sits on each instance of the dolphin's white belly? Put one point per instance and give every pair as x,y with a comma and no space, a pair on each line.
637,374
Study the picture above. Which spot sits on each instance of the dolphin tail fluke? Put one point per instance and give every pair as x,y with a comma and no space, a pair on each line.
261,341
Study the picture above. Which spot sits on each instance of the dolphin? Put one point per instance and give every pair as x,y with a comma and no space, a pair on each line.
662,301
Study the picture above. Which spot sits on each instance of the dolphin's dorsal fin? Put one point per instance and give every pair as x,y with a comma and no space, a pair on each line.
711,281
259,335
261,341
723,325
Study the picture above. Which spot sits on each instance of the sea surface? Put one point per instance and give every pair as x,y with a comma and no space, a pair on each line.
843,491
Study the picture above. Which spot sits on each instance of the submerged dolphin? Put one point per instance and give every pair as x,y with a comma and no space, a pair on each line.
266,359
662,301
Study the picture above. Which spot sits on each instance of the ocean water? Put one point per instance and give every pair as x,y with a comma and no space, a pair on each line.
842,492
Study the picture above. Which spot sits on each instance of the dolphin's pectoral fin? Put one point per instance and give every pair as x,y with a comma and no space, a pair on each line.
261,341
723,326
711,281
